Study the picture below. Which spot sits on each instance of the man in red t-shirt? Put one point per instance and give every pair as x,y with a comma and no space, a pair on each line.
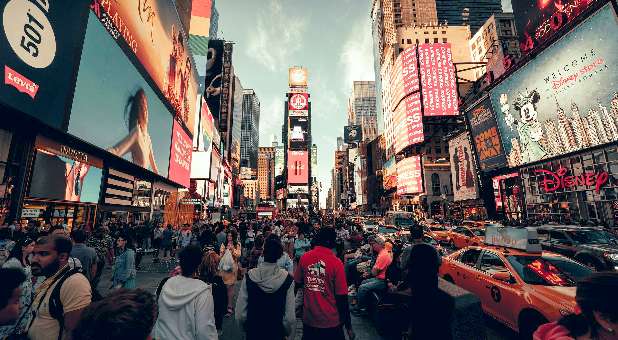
322,277
376,280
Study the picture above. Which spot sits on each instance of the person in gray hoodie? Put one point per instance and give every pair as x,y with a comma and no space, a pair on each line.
186,307
265,304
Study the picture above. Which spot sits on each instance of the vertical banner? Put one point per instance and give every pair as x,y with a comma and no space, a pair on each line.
438,84
298,167
410,176
180,156
462,168
227,77
485,136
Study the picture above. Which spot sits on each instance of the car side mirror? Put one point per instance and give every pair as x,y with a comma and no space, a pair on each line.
502,276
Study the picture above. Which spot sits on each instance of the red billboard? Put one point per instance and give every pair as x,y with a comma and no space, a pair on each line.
180,156
408,122
409,176
438,84
298,101
404,76
298,167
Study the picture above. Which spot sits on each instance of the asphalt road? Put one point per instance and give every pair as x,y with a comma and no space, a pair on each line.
150,274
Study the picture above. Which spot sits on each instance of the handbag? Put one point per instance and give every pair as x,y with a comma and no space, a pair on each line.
226,264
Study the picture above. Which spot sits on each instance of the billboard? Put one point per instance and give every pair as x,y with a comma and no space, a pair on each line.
465,186
297,76
404,76
352,134
227,81
180,156
279,160
408,122
485,137
298,134
151,32
40,45
212,82
64,173
298,101
438,84
298,167
536,21
409,176
115,108
564,100
389,176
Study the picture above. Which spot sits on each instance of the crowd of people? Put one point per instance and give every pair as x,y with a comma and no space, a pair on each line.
282,270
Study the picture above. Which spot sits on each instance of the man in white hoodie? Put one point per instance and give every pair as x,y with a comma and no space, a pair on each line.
265,304
186,308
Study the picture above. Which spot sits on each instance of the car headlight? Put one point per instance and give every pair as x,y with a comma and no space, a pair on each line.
612,256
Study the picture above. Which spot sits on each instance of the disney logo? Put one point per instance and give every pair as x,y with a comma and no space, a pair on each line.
558,180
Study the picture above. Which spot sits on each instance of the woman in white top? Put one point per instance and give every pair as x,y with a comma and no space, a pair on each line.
138,141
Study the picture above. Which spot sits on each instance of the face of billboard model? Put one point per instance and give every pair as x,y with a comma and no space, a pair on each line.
115,109
564,100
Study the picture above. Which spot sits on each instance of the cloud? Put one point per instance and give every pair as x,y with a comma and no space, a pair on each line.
356,56
276,36
271,119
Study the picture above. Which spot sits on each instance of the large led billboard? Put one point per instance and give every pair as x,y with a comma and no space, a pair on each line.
389,175
438,83
115,108
298,134
151,32
298,167
297,76
485,136
408,122
279,160
564,100
409,176
39,46
404,76
180,156
536,21
463,172
352,134
298,101
212,82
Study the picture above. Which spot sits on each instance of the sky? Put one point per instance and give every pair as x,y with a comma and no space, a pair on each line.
332,38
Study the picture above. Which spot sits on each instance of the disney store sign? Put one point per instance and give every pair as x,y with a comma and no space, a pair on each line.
553,181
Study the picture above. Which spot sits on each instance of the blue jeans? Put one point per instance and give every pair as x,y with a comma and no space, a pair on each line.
366,287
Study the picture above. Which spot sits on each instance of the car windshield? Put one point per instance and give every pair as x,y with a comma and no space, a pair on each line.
548,270
479,232
387,230
592,236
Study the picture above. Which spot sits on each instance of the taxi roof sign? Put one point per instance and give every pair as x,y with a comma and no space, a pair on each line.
522,238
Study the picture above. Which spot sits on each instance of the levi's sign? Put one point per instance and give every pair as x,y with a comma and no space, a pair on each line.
553,181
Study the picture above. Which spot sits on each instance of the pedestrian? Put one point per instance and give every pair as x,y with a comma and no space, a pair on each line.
104,247
61,298
221,236
321,276
256,252
208,272
265,308
375,280
596,298
6,244
121,315
123,273
186,307
86,255
166,241
301,246
157,240
10,291
185,237
284,262
427,302
230,277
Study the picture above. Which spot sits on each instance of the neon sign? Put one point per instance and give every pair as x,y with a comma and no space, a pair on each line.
558,180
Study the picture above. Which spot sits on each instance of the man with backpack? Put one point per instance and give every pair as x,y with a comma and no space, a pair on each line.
64,294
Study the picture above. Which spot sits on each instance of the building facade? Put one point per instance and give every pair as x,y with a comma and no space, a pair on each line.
250,134
266,173
362,108
467,12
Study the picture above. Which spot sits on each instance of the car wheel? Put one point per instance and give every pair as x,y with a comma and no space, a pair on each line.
529,322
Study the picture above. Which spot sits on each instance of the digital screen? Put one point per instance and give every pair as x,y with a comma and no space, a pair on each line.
408,122
485,135
298,133
438,83
389,176
565,99
298,101
409,176
298,167
180,156
462,168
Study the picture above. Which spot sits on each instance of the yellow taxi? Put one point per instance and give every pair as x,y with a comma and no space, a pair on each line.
438,232
463,236
518,284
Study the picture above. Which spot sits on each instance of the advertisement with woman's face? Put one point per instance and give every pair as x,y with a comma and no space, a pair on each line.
115,109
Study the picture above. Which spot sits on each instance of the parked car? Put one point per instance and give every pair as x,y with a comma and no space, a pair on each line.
593,247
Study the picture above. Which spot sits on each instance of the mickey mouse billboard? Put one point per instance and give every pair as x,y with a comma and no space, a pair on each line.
564,100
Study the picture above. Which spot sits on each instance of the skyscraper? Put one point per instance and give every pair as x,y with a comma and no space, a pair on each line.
467,12
250,129
266,172
362,108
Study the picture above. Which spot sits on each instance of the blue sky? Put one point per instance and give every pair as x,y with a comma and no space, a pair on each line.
332,38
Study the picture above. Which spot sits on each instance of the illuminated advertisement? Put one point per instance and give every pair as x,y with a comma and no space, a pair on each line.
151,31
297,76
64,173
485,135
180,156
115,109
465,185
438,84
227,79
215,166
39,44
389,176
538,20
298,134
564,100
409,176
208,127
298,167
212,82
352,134
408,122
298,101
279,160
404,76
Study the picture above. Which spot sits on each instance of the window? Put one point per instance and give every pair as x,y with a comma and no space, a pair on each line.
417,41
403,41
443,32
409,41
490,262
470,257
435,184
435,32
444,40
435,40
426,40
557,235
